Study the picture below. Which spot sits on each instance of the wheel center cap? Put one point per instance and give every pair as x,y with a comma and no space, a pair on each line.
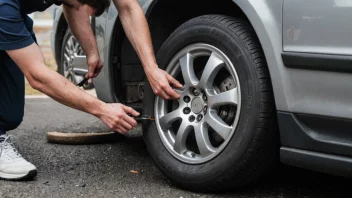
197,105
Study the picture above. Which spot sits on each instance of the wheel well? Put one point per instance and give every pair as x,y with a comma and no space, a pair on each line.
60,33
163,17
166,16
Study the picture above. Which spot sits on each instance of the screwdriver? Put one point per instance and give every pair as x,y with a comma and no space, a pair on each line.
82,82
144,117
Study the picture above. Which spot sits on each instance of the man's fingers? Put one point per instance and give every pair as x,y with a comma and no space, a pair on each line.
98,70
173,81
126,125
121,129
172,93
164,95
90,73
130,110
130,120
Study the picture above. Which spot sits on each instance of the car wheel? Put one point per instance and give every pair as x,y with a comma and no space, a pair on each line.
69,51
222,132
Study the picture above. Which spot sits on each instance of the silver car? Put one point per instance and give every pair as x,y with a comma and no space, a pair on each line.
264,81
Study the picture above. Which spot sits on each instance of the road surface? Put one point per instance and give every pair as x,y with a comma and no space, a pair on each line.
105,170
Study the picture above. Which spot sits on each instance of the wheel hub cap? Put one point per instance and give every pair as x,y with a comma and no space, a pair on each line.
197,105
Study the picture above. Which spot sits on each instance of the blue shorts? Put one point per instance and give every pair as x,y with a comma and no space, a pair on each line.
16,32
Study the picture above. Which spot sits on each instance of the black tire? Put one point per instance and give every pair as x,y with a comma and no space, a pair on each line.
60,68
239,164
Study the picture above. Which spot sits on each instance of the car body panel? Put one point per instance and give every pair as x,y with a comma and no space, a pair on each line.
104,29
317,27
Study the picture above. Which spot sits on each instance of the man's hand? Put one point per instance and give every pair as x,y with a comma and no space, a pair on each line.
115,117
160,82
95,65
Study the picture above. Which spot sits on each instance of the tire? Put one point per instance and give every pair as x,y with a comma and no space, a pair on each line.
253,148
61,67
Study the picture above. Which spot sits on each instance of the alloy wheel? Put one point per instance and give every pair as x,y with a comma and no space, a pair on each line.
72,51
198,126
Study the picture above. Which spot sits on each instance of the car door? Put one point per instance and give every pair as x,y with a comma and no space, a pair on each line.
317,55
317,45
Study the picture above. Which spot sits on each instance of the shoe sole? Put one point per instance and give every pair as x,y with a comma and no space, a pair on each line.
12,177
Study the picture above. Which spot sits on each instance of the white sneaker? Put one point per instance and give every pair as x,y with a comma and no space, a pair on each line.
12,164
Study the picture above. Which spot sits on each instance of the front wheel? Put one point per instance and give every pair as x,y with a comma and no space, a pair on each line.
221,133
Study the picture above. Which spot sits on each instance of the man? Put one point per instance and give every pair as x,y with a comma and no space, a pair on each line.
20,56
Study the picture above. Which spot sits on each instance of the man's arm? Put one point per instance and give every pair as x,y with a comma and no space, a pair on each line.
32,63
137,31
79,23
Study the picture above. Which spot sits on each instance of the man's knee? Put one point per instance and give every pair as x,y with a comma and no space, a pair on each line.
11,119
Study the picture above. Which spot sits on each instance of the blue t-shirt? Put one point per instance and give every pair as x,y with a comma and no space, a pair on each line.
15,26
29,6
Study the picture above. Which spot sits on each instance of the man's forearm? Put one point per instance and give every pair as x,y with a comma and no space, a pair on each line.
31,62
79,23
63,91
137,31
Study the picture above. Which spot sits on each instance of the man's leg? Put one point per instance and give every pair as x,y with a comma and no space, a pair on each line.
12,165
12,94
15,33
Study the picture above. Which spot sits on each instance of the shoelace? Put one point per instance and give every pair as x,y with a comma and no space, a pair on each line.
8,145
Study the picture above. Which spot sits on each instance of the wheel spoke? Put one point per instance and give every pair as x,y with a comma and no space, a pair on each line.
218,124
67,50
66,74
181,137
67,57
202,138
70,44
168,119
186,63
213,66
224,98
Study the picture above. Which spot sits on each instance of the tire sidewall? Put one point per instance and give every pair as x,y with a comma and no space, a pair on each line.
210,32
60,68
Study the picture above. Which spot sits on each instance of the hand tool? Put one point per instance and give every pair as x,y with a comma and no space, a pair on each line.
82,82
144,117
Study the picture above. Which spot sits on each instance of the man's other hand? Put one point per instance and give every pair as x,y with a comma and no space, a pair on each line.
115,117
95,65
160,82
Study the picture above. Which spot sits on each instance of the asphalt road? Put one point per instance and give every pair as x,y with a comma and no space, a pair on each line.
104,170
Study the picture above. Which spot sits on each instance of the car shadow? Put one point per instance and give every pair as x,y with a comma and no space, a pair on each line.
284,181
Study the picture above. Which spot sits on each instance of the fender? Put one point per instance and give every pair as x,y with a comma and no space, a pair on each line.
266,19
112,24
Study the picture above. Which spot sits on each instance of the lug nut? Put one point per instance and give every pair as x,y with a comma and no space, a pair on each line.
191,118
205,98
199,117
205,109
196,92
186,110
187,99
